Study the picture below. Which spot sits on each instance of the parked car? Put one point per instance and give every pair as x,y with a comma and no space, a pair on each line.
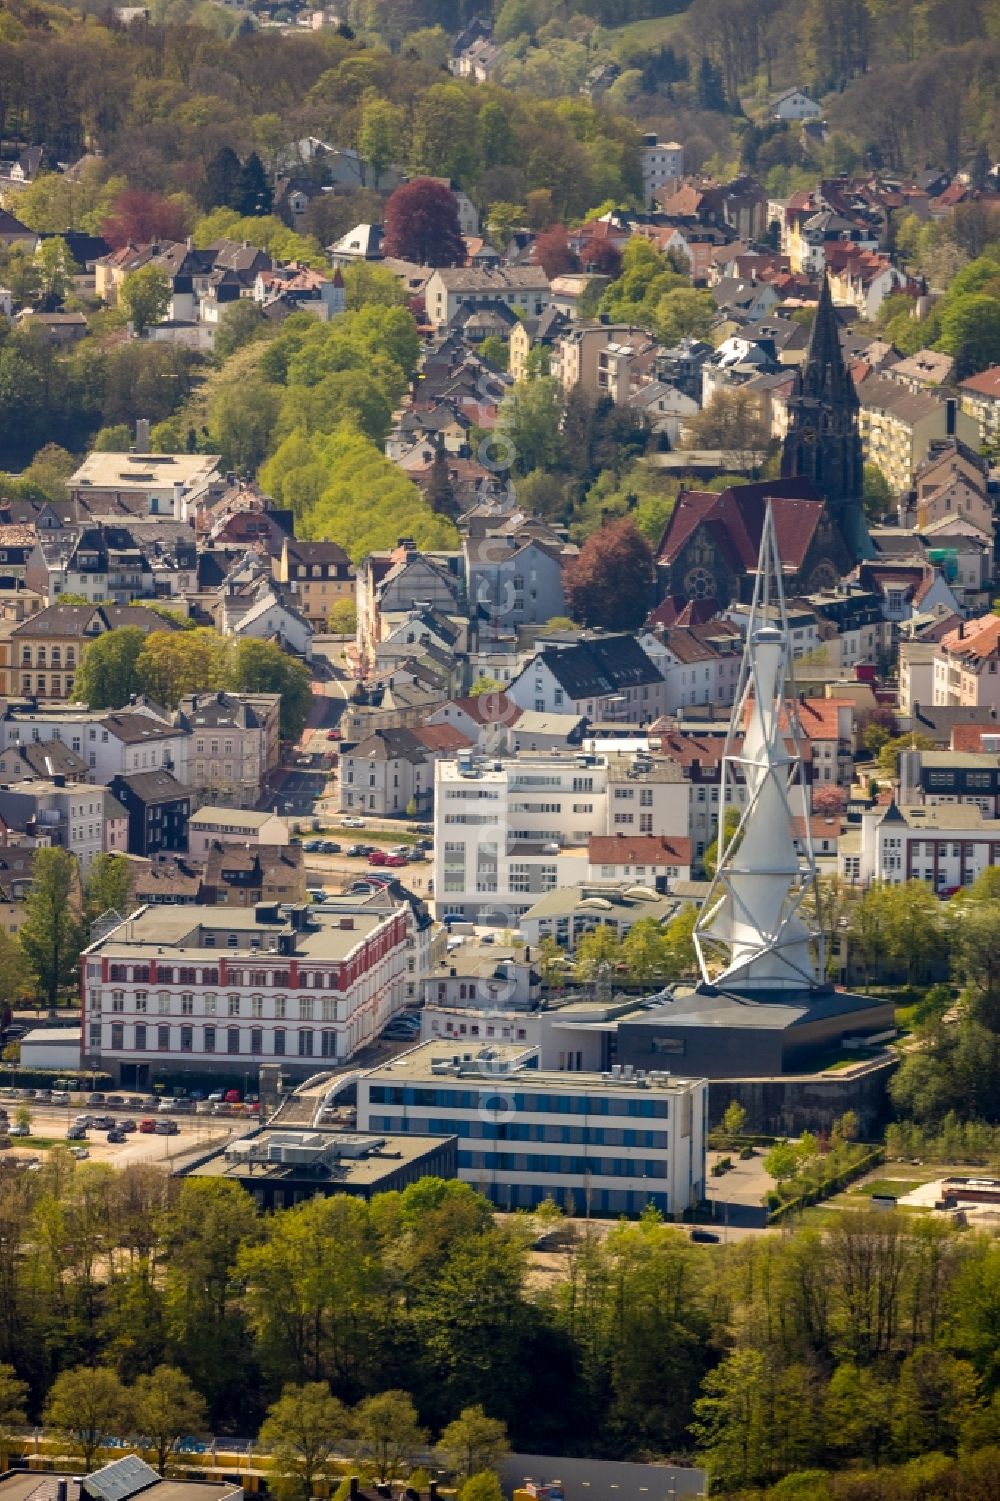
705,1237
115,1099
416,853
354,850
76,1133
116,1136
60,1097
95,1098
167,1103
18,1130
166,1128
80,1153
425,828
333,735
330,847
311,845
215,1098
104,1123
352,823
148,1125
378,857
126,1125
232,1097
83,1120
395,860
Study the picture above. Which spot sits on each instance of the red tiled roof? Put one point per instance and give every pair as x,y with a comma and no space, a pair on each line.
442,737
969,737
986,383
977,639
736,518
821,826
490,708
676,610
639,849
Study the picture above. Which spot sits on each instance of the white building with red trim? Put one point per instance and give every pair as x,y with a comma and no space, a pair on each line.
213,991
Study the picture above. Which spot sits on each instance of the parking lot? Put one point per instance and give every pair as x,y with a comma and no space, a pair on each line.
49,1122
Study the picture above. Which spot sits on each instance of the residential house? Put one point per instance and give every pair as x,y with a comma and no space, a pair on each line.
233,742
524,288
655,860
793,104
541,333
360,244
387,773
606,678
946,846
317,574
234,876
14,233
512,581
158,808
967,665
225,826
58,814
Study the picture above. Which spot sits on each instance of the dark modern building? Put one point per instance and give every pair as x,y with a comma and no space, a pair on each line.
158,809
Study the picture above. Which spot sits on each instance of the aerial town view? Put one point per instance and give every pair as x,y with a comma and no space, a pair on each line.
499,750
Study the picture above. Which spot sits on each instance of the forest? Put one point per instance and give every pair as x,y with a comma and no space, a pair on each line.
866,1342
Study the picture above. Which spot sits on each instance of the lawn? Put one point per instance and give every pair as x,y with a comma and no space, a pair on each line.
653,32
888,1187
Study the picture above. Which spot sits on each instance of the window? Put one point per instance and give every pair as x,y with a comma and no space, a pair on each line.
329,1009
209,1039
210,1002
305,1008
187,1039
257,1005
117,1001
117,1035
140,1035
163,1039
256,1040
140,1004
279,1042
280,1007
305,1044
187,1005
232,1040
329,1044
234,1005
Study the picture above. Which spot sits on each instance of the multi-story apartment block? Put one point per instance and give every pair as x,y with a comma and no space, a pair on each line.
73,817
966,671
899,427
217,990
633,1139
119,743
660,161
233,742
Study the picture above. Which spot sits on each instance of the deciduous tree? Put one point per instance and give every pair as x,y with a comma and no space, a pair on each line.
87,1405
610,581
473,1442
421,224
165,1407
50,935
302,1432
389,1432
108,676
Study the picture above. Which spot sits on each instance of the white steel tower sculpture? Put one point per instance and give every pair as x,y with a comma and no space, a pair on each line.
752,919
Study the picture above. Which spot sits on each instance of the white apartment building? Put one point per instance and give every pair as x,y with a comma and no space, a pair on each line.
599,1143
117,743
603,677
59,815
213,990
966,671
507,831
661,161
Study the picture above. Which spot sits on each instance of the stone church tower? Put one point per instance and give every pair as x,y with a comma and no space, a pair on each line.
823,443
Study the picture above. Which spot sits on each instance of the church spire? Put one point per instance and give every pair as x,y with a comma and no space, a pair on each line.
823,443
824,373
